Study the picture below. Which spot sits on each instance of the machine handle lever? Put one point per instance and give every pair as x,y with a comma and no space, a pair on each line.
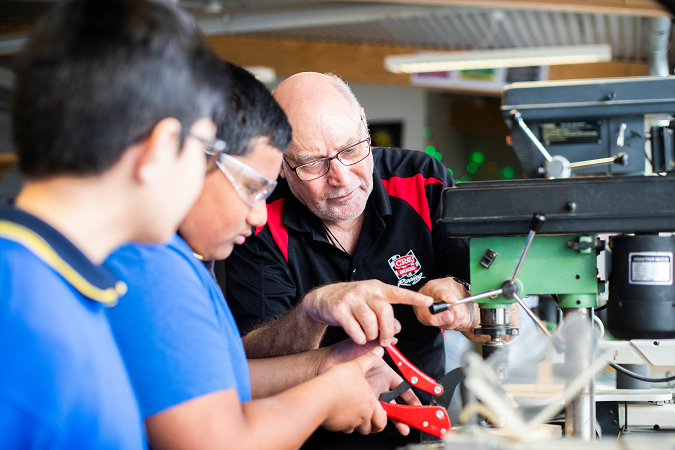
620,141
523,126
442,306
529,312
621,159
535,225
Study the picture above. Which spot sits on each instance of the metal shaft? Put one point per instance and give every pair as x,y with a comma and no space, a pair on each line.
580,412
600,162
523,126
529,312
530,236
440,307
535,224
490,317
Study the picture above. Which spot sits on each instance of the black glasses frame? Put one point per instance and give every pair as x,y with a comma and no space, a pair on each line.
328,159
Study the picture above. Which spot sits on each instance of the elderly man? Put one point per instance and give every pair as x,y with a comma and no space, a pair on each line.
344,212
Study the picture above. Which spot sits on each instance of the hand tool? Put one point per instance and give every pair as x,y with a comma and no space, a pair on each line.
431,419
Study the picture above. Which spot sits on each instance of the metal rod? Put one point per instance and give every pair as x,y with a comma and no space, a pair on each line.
599,162
440,307
523,126
479,296
529,312
530,236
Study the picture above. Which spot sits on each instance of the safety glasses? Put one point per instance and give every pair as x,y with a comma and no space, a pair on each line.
252,186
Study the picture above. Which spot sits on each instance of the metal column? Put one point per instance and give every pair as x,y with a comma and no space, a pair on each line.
580,413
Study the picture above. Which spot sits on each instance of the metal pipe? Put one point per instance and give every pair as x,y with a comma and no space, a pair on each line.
657,46
580,412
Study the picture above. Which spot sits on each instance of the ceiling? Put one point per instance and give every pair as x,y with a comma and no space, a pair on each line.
473,28
437,26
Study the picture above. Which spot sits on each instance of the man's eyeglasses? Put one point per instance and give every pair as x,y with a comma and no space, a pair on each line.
320,167
213,148
251,185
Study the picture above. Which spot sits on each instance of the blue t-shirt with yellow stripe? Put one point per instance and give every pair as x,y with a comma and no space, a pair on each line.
63,384
175,331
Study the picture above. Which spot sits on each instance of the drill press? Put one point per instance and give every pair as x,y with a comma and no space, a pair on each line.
559,255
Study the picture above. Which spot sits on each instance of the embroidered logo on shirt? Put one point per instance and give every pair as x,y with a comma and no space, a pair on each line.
407,269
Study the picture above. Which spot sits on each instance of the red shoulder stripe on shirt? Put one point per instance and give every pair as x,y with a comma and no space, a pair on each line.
279,230
411,189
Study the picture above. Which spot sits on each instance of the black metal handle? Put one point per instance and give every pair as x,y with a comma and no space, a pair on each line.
438,307
536,222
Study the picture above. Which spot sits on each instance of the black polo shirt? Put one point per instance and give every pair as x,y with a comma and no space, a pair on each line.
400,244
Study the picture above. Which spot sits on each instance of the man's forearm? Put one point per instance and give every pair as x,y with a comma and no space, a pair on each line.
270,376
292,333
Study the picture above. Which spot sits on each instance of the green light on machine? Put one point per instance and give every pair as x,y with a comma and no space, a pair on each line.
465,178
431,151
477,157
507,172
471,168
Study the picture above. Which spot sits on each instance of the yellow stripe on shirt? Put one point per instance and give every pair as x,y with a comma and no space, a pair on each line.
40,248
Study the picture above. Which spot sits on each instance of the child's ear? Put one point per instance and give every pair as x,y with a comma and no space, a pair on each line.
161,147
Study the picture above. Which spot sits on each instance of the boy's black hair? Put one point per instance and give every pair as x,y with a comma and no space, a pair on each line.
96,77
249,112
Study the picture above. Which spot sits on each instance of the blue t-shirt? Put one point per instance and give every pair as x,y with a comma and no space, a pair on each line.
63,384
175,331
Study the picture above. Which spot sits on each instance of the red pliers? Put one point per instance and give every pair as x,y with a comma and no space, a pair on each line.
433,420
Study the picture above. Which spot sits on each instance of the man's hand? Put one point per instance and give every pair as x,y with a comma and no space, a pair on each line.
447,290
362,308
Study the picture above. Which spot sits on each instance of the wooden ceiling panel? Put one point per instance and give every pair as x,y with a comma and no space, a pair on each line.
365,63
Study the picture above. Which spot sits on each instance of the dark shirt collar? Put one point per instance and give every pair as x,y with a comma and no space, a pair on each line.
60,254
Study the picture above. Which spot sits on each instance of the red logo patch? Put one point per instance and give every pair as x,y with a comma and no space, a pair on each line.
407,269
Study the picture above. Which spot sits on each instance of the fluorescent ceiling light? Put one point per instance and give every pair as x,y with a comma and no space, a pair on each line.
264,74
489,59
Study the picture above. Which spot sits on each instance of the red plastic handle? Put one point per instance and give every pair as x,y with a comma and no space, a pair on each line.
430,419
412,374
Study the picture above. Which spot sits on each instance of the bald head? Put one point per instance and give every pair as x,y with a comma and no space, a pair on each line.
326,118
310,94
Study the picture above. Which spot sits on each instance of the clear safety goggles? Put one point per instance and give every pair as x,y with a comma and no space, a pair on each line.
252,186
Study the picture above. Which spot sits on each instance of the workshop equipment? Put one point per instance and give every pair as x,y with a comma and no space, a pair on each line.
559,255
592,127
540,236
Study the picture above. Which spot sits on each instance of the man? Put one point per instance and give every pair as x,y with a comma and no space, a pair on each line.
109,115
343,213
179,340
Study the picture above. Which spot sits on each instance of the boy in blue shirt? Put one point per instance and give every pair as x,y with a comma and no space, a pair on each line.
178,337
111,113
